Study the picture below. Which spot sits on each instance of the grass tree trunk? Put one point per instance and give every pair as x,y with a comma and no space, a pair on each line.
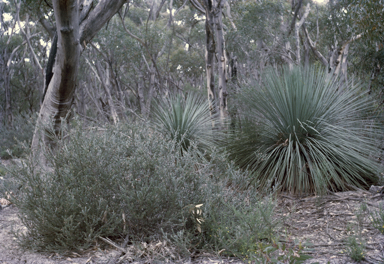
71,35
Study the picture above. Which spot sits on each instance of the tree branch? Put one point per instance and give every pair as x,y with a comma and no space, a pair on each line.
103,12
85,9
27,36
50,29
317,53
344,49
293,22
198,6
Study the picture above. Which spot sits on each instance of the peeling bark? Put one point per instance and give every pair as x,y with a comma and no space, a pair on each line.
60,91
215,45
341,62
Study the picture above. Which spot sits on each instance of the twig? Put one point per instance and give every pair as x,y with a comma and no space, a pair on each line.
328,245
126,240
107,240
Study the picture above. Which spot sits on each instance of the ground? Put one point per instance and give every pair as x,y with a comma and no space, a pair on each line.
326,224
321,225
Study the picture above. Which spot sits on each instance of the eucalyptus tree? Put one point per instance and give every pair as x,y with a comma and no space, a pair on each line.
108,82
186,57
334,48
215,47
149,56
76,24
135,59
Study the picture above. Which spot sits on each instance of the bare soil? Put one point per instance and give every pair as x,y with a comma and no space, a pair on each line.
324,224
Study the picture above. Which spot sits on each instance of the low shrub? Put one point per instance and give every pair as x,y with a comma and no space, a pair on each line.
129,180
304,132
355,248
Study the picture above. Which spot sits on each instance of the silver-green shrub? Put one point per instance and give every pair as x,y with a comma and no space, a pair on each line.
128,180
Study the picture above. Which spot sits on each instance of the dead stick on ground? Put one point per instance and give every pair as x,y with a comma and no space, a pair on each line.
107,240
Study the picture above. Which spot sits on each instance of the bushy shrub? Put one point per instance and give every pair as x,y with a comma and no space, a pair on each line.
305,132
247,221
12,138
115,181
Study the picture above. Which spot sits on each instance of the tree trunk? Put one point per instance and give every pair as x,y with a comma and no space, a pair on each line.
297,31
105,79
140,92
209,60
152,84
58,99
71,34
8,104
220,49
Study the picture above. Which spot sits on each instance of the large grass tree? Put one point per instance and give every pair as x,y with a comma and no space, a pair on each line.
73,35
305,132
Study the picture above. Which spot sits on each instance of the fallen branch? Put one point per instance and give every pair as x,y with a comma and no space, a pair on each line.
107,240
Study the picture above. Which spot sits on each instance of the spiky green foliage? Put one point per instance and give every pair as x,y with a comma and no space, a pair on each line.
305,132
185,120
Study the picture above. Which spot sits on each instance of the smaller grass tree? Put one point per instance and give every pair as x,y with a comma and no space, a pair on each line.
186,119
304,132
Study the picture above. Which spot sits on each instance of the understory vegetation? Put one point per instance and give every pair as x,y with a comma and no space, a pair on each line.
178,179
130,181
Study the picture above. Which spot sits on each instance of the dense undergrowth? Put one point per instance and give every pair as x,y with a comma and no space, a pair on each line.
176,179
124,180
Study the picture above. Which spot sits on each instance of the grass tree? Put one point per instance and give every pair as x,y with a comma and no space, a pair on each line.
185,120
304,133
